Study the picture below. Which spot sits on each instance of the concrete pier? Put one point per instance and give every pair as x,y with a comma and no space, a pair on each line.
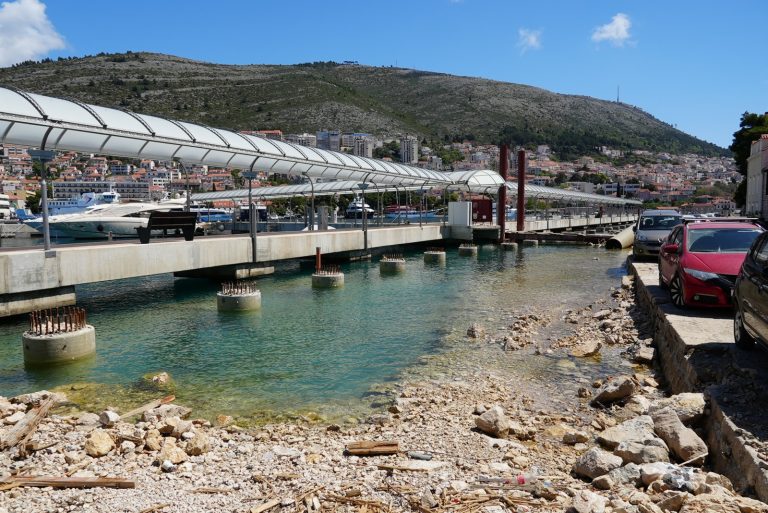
509,246
434,256
468,250
327,280
392,264
238,297
60,347
31,278
57,336
238,302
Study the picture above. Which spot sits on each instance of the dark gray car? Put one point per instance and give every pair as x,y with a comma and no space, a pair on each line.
750,297
652,229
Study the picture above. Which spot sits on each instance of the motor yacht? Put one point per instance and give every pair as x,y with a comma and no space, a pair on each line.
356,208
81,204
104,221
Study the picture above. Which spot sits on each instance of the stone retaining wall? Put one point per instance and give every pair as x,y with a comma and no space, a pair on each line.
696,354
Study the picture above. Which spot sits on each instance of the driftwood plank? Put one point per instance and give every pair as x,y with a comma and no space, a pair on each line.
69,482
156,507
26,426
148,406
266,506
372,448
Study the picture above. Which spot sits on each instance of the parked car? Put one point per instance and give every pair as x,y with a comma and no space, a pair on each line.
750,297
700,260
652,229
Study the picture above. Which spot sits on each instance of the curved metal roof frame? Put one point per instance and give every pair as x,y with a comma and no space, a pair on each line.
488,182
303,189
482,181
34,120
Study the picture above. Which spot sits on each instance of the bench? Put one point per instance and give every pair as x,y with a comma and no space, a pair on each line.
184,221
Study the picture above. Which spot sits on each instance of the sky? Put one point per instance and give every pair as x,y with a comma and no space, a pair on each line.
697,65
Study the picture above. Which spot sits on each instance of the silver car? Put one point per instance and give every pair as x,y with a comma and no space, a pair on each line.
652,229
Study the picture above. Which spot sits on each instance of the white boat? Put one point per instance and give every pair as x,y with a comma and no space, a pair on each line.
356,208
5,207
403,213
103,221
83,203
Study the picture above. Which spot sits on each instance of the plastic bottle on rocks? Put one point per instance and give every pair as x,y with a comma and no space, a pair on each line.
529,477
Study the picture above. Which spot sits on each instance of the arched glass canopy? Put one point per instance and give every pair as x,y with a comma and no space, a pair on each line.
478,182
53,123
39,121
302,189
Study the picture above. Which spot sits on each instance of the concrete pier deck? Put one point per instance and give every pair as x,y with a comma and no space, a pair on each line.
32,278
696,351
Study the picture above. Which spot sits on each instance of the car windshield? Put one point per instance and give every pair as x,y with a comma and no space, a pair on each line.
659,222
721,240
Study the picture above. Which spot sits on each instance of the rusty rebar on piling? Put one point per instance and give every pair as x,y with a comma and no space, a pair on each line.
392,257
328,270
60,320
238,288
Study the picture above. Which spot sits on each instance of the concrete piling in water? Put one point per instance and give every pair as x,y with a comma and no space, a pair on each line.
58,335
467,250
434,256
509,246
327,277
531,242
392,264
240,296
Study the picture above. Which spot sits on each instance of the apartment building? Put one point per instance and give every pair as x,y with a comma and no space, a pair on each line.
329,140
303,139
363,146
409,150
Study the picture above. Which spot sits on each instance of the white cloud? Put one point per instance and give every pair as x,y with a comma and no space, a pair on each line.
616,32
26,33
528,39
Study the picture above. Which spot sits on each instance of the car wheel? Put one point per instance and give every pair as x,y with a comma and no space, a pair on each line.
677,292
740,336
661,281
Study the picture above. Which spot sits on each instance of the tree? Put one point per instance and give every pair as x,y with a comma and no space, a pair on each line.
33,202
752,127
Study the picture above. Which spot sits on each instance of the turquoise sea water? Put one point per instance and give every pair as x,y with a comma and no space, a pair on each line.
307,350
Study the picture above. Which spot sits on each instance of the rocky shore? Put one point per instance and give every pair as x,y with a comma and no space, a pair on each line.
474,441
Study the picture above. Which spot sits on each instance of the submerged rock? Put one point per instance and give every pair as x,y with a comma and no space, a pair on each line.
586,349
475,331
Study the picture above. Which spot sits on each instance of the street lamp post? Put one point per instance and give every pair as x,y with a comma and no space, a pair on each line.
252,219
187,202
311,224
44,156
363,186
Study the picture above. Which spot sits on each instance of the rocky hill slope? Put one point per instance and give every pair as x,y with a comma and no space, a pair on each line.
385,101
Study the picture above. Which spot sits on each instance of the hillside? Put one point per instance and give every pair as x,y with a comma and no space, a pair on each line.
385,101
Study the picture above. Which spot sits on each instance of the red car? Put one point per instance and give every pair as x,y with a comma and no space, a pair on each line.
699,260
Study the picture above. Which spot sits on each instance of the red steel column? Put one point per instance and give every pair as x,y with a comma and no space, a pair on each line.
318,265
501,207
520,190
